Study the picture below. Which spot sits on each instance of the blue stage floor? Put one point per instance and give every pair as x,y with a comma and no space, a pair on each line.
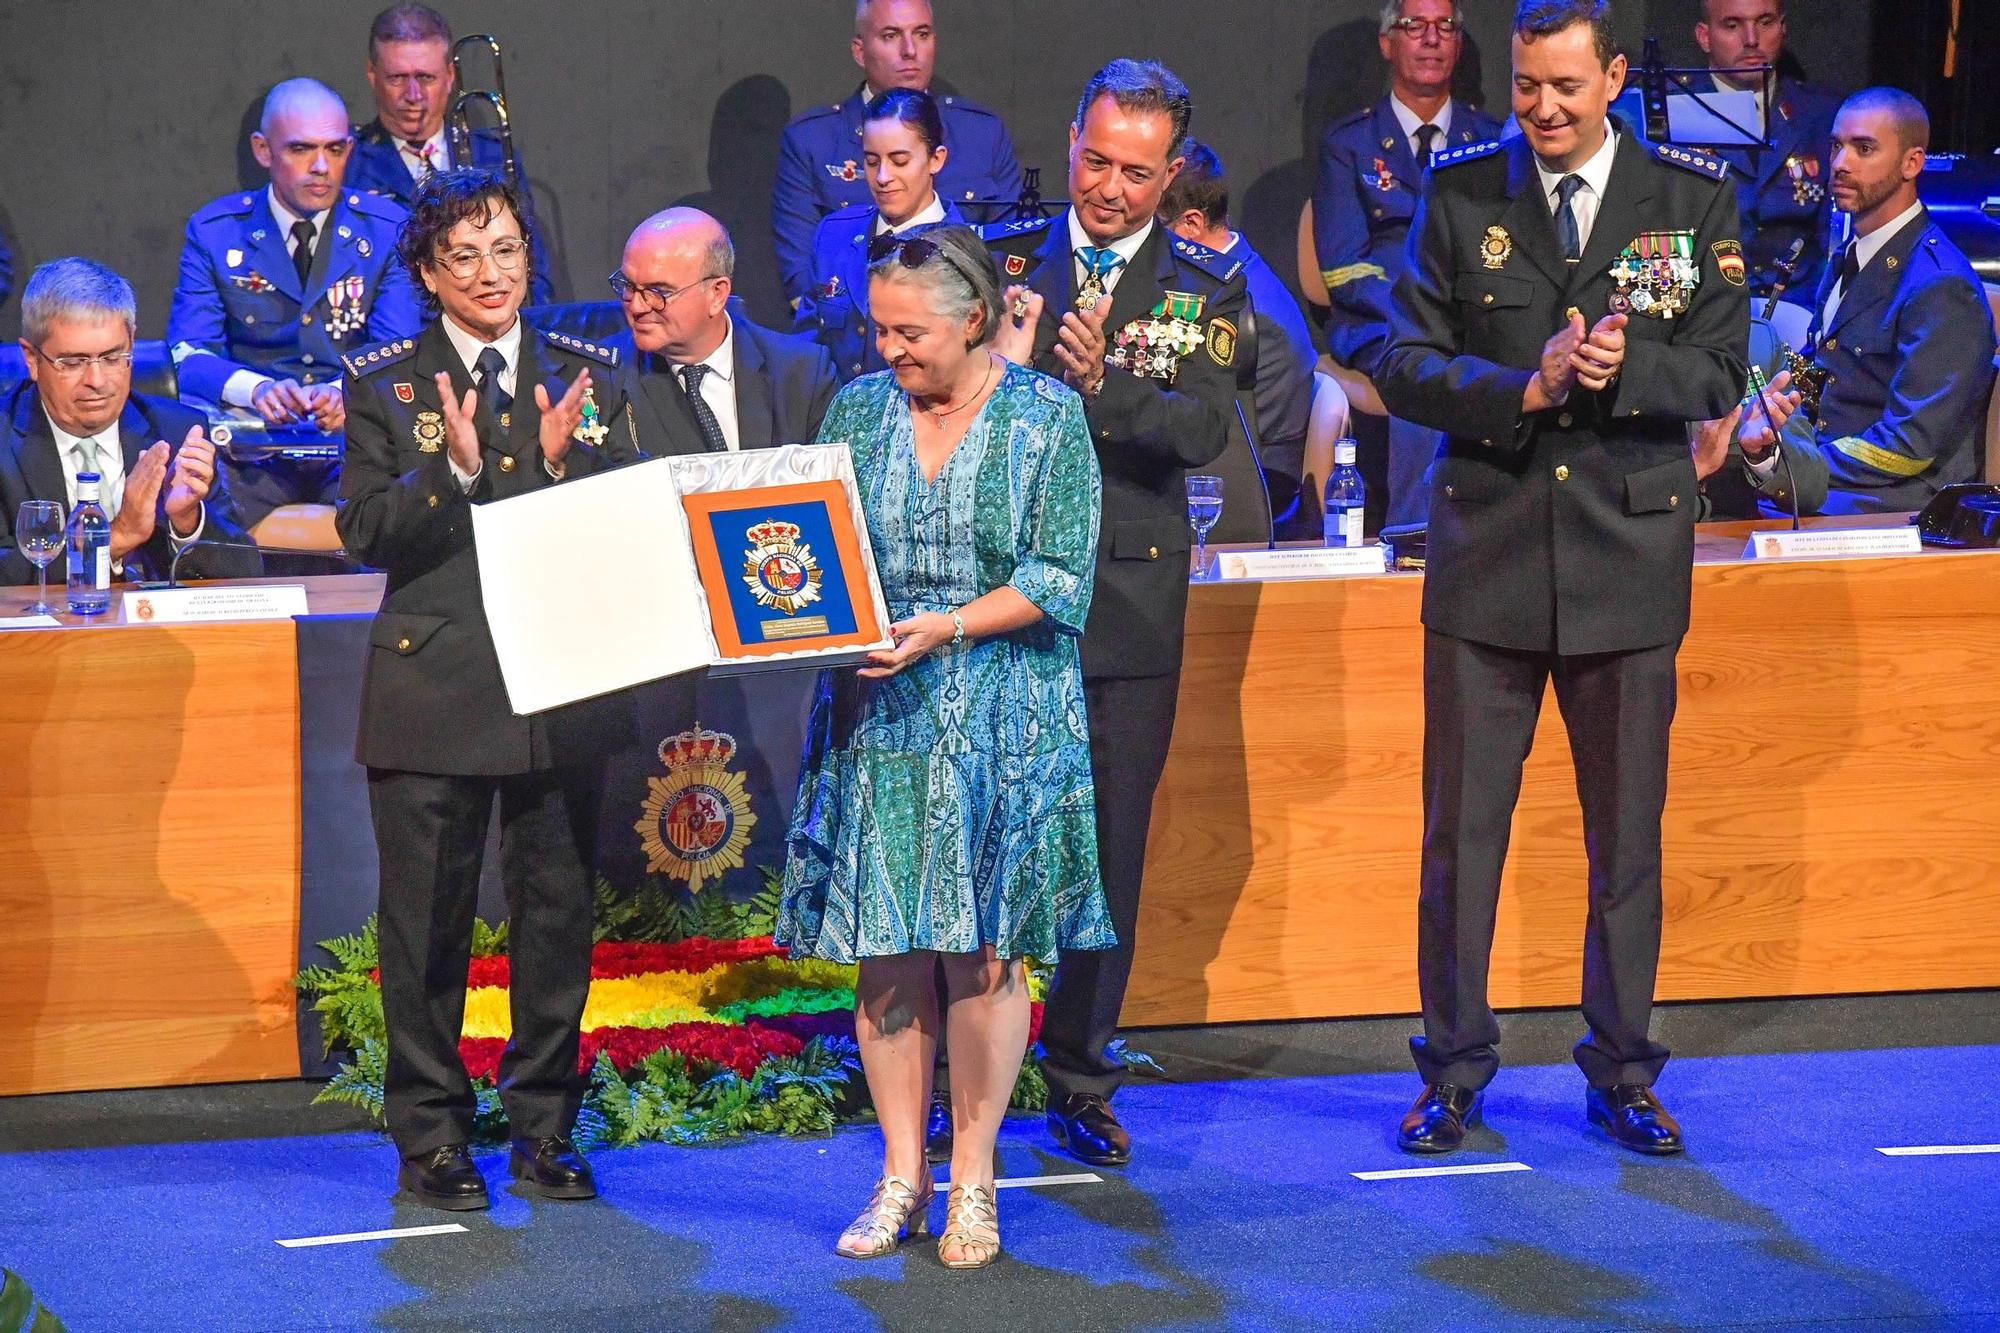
1240,1210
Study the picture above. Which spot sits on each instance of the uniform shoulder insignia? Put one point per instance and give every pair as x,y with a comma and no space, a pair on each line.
229,206
967,106
1000,231
596,351
386,208
1217,265
1471,152
820,112
1687,159
367,360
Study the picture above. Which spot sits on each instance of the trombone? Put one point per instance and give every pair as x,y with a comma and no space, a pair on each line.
493,97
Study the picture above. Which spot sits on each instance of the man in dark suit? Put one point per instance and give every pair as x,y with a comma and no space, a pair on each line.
1090,280
1573,301
276,284
410,71
1371,166
819,158
77,413
1902,333
700,376
477,407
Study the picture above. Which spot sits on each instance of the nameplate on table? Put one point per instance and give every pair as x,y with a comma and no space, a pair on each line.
1309,562
1832,543
29,622
172,606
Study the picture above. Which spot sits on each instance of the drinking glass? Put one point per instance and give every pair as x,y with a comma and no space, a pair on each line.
38,531
1204,502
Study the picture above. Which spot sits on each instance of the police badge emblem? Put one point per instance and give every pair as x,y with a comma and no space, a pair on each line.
779,569
1498,245
406,393
1656,275
1016,265
695,823
429,430
234,258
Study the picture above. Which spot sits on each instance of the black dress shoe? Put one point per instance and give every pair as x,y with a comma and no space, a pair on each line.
937,1131
1438,1120
444,1178
1082,1123
1634,1118
551,1168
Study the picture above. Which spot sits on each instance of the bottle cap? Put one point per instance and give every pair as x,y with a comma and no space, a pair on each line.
1343,453
87,485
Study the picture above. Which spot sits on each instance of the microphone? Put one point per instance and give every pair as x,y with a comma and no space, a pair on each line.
1787,268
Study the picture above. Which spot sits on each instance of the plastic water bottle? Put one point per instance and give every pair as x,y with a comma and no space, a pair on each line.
89,551
1346,498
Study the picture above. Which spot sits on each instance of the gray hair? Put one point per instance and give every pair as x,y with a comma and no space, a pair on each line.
861,8
718,257
957,278
1142,85
1392,10
75,288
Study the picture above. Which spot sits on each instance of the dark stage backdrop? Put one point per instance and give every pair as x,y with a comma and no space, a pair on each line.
118,119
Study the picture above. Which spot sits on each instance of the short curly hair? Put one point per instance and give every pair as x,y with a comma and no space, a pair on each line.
447,198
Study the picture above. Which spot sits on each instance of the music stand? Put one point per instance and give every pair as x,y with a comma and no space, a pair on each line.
1678,112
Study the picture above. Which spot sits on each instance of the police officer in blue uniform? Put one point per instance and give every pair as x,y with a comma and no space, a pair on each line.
276,284
1902,335
1780,190
902,148
1371,167
411,75
820,159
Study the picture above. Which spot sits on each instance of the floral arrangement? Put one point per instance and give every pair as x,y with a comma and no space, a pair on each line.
697,1027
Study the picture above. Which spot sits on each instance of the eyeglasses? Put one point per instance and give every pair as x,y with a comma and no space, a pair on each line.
506,255
654,298
1416,28
914,250
72,366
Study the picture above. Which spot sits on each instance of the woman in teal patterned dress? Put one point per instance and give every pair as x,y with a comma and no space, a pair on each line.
945,812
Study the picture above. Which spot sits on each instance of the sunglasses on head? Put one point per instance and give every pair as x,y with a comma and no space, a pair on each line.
913,251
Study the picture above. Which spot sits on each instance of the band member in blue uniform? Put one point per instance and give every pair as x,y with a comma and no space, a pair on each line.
277,284
819,161
902,151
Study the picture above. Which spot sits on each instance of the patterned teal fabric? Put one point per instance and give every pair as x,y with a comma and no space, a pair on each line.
949,806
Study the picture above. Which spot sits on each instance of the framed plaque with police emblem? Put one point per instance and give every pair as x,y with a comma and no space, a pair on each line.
749,561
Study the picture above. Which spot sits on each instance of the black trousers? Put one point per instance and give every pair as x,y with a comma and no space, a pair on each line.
1131,723
262,485
430,832
1480,708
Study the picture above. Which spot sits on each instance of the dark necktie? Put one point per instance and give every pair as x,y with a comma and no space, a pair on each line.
1566,229
486,373
1839,283
704,415
302,249
1427,138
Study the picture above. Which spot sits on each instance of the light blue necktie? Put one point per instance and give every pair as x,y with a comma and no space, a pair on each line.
1099,262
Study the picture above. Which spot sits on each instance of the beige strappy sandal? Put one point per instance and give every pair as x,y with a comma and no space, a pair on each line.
895,1205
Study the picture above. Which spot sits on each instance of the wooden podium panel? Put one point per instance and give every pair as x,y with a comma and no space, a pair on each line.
149,854
1833,822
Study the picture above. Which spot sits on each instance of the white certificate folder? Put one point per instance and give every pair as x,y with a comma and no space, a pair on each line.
727,562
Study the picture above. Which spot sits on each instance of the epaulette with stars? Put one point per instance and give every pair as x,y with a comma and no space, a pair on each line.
1000,231
1217,265
367,360
1471,152
1674,155
596,351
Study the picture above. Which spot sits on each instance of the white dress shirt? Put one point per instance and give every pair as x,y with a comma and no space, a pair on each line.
1596,174
110,475
1865,249
923,217
1412,122
718,387
242,385
1125,248
468,348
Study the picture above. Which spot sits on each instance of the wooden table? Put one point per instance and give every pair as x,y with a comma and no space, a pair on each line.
1833,824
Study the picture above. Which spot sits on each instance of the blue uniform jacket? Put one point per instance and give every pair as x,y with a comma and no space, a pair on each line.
239,305
1909,362
819,170
834,309
1363,199
376,167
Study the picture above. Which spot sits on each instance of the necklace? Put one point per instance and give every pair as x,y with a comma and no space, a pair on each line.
936,415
